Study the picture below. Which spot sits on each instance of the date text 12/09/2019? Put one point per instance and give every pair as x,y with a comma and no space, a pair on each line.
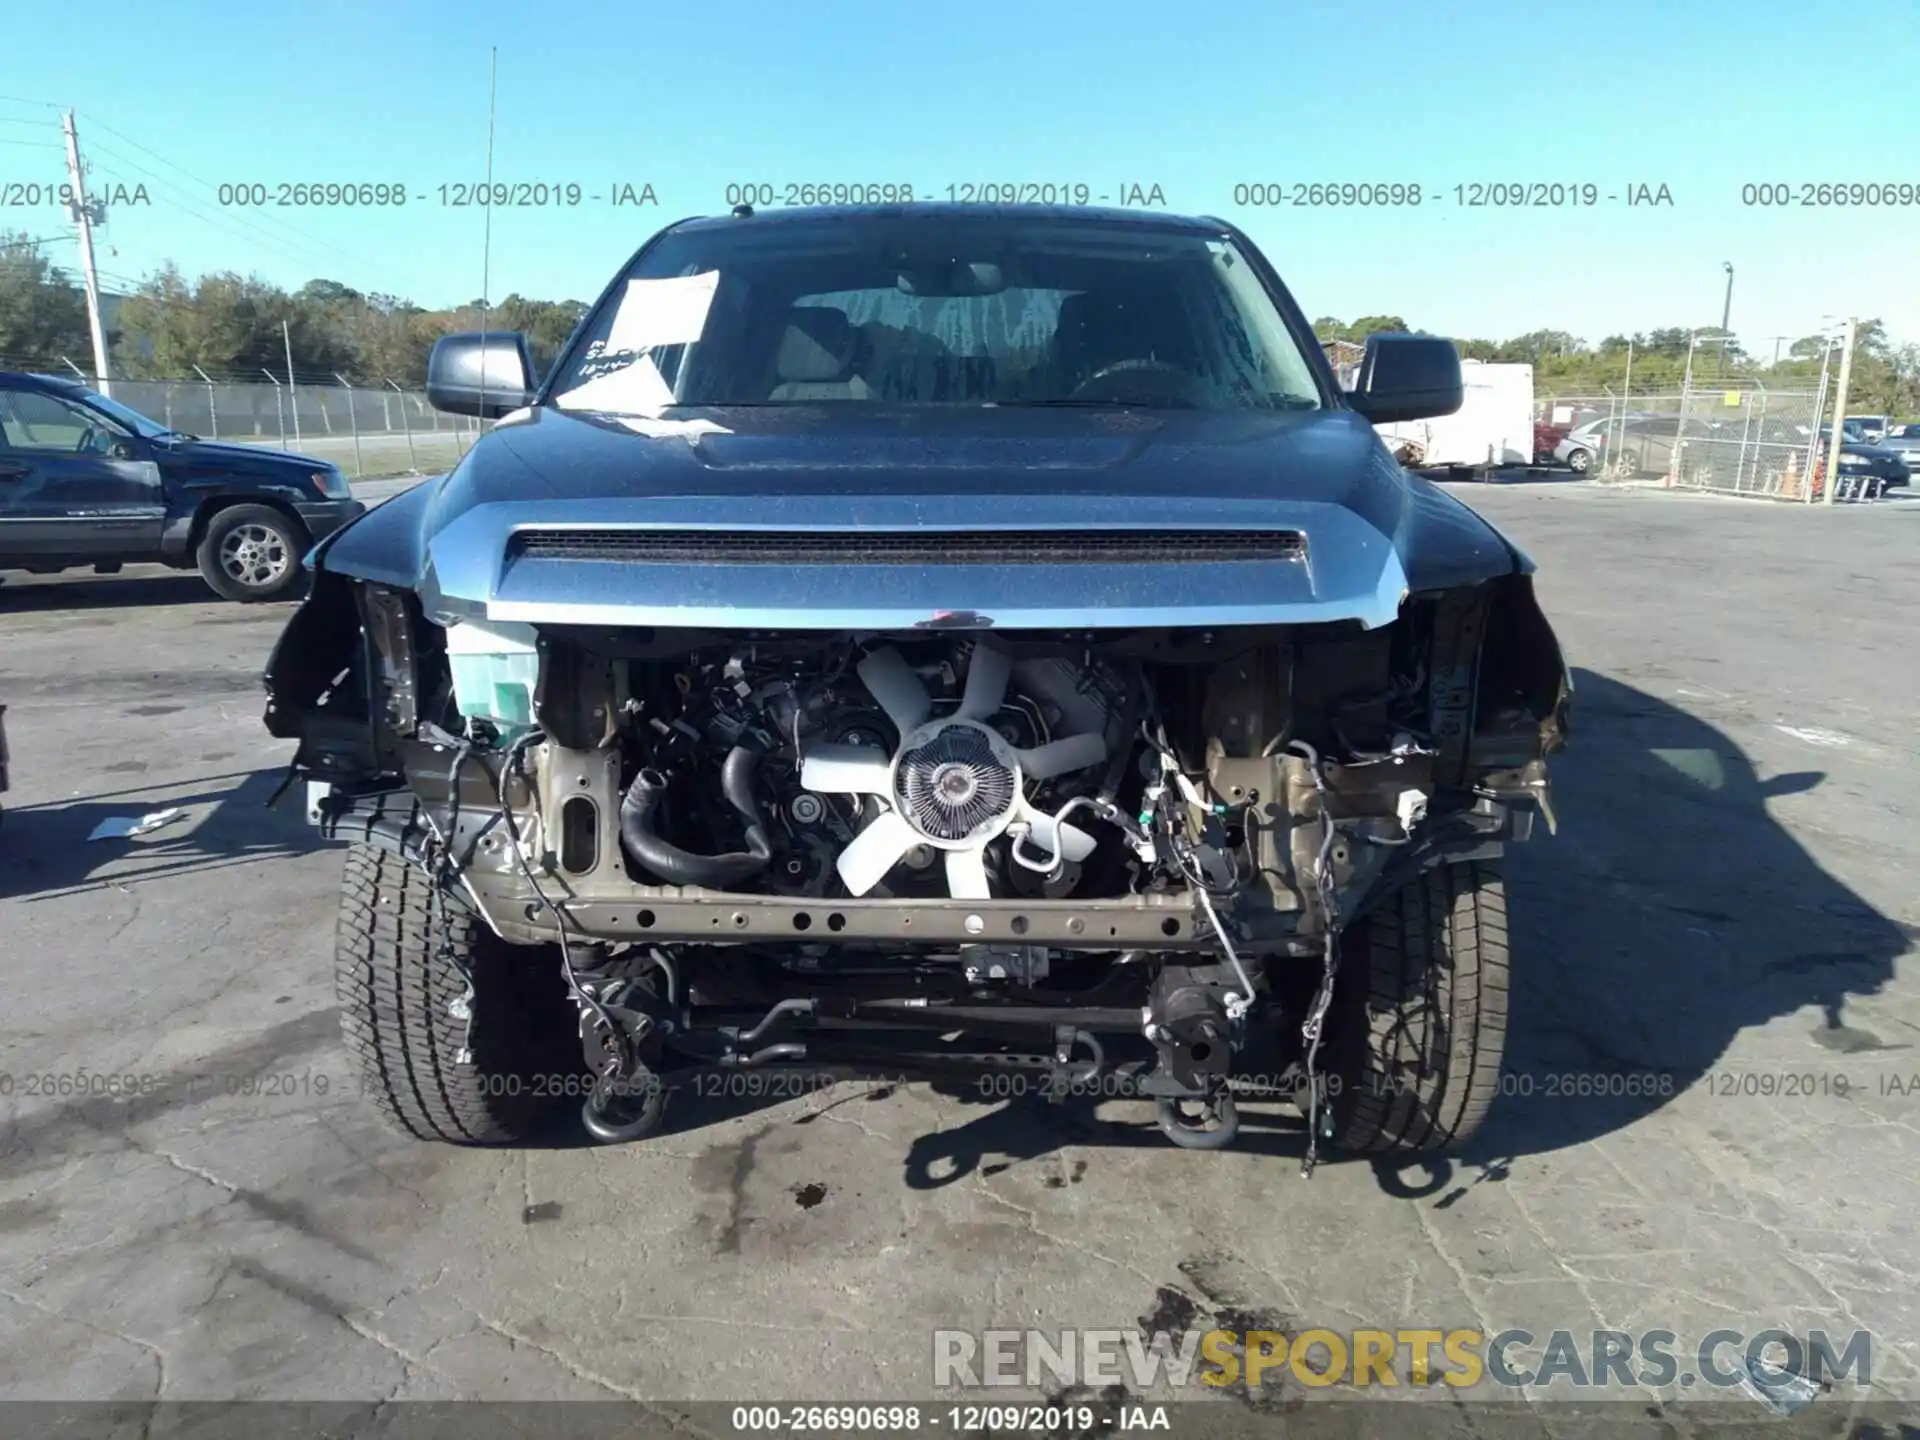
1119,194
1470,195
1052,1418
457,194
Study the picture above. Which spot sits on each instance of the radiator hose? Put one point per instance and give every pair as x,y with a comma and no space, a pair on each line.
682,867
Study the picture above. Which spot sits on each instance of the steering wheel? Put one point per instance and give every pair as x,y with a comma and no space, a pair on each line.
1128,367
90,442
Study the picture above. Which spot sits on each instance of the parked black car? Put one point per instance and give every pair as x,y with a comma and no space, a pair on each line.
1904,443
87,481
1868,461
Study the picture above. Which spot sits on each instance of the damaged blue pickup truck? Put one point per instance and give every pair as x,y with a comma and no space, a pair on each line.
946,641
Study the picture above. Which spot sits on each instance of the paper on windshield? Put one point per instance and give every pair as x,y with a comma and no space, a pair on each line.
672,311
638,388
658,429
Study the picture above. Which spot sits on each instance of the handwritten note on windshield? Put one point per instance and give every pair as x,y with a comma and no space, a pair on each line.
672,311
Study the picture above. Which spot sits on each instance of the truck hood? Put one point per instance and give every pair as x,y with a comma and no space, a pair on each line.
501,537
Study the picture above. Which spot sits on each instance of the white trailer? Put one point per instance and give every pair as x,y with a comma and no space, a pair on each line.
1492,427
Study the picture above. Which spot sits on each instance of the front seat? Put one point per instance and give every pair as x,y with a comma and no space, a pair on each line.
1097,329
816,357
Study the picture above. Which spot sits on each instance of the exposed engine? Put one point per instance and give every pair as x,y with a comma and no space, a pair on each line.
1119,858
949,768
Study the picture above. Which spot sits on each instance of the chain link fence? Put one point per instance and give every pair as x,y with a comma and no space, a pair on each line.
366,431
1747,441
1728,437
369,431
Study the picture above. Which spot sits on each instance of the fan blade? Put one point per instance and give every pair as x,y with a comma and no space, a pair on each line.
967,875
1059,757
987,675
874,851
1047,836
845,770
891,682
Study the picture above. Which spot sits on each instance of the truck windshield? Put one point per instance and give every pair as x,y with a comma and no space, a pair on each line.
938,310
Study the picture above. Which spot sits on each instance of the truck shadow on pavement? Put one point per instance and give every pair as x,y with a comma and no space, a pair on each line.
45,852
1669,914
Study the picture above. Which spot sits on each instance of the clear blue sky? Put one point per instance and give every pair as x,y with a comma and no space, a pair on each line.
1698,95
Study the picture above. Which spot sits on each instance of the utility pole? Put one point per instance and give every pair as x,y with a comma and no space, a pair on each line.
83,219
1840,410
286,338
1726,317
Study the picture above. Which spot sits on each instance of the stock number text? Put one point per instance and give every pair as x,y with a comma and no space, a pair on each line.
1862,195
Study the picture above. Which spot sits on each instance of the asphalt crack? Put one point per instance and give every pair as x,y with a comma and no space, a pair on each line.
158,1355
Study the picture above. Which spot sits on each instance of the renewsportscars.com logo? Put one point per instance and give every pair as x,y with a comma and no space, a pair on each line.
1367,1359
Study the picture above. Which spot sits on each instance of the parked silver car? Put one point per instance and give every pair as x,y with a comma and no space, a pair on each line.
1581,446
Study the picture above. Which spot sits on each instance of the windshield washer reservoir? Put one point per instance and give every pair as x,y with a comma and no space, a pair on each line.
495,668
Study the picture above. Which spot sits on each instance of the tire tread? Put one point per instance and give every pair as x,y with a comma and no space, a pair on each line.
1426,1035
394,986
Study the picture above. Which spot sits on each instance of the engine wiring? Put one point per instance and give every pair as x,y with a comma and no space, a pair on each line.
1313,1027
1182,829
620,1062
444,865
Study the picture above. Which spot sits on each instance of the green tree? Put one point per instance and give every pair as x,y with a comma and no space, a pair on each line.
1671,341
1536,346
229,322
545,323
43,313
1328,328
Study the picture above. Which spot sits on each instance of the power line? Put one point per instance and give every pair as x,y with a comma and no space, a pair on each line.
277,243
292,233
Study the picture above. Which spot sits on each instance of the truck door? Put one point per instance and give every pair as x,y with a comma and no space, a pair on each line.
74,484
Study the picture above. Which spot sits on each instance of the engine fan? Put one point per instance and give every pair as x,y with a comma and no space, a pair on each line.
955,783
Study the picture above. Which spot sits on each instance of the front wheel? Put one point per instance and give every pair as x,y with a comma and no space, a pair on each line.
251,553
1580,461
404,1007
1424,1023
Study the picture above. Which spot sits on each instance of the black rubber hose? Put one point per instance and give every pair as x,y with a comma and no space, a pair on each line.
774,1018
1130,717
682,867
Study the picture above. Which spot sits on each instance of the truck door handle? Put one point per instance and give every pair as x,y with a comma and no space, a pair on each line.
12,470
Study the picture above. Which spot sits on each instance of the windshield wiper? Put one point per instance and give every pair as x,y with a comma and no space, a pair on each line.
1064,403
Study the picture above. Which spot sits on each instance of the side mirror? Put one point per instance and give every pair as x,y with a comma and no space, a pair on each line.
120,450
1407,377
487,373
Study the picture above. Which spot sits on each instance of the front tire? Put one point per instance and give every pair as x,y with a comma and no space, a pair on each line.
251,553
1424,1024
399,985
1580,461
